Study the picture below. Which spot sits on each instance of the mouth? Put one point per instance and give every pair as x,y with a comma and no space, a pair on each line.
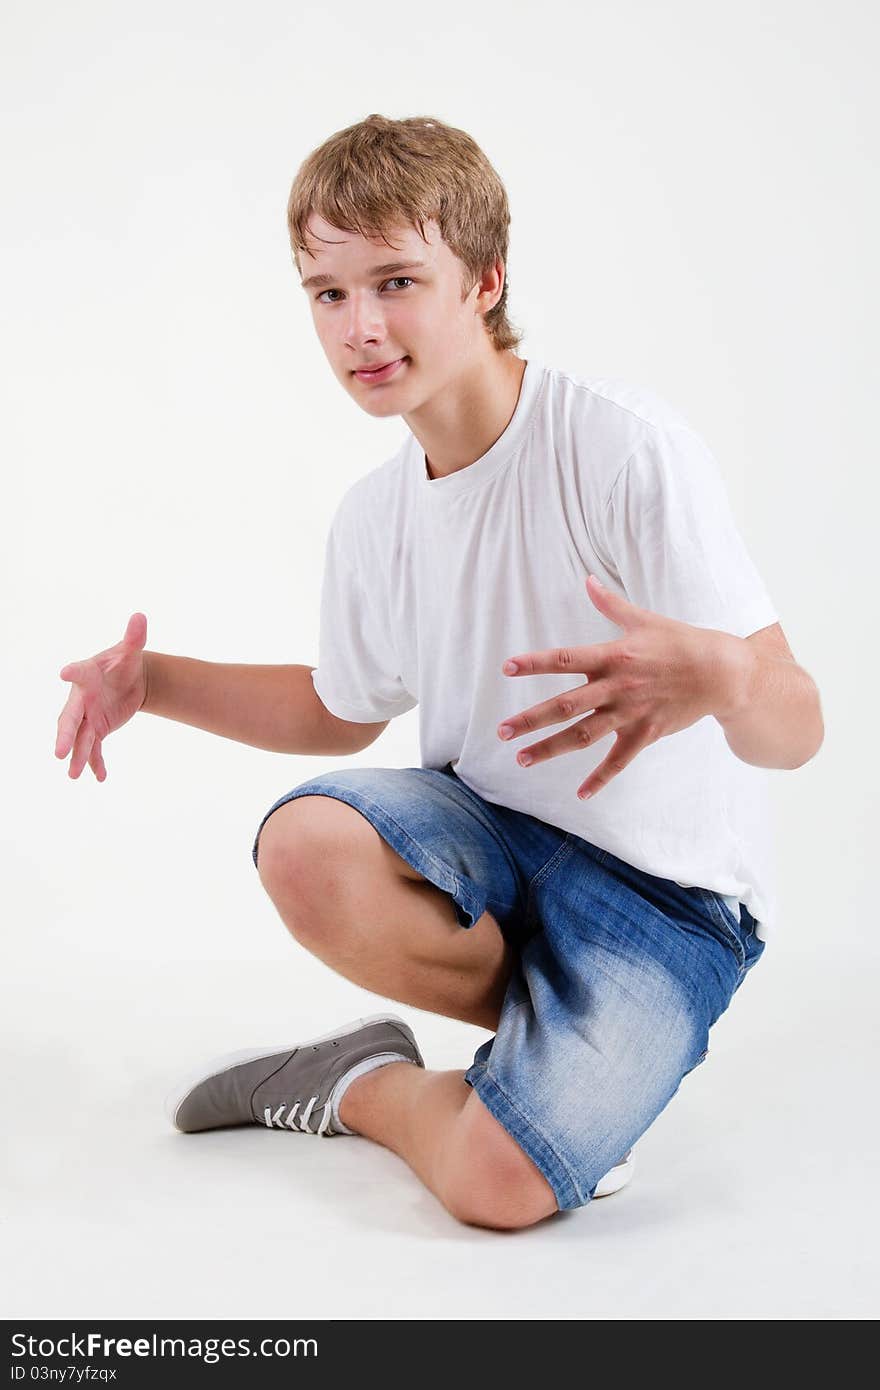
383,373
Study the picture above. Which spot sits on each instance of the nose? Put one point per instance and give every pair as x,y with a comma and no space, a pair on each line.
363,321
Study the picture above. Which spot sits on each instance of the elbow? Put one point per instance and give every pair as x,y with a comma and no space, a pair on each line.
818,740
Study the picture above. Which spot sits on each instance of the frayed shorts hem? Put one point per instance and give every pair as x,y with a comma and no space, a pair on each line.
469,902
533,1144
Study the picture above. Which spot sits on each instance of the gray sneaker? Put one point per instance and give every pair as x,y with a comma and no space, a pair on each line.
286,1087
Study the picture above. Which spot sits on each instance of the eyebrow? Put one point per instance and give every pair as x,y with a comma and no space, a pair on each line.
385,269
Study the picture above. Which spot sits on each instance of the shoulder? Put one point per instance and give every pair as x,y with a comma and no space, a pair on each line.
372,513
373,492
611,421
636,407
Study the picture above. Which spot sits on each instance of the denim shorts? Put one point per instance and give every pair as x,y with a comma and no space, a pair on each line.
618,974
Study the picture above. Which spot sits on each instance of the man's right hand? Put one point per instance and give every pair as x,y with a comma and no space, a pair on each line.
107,691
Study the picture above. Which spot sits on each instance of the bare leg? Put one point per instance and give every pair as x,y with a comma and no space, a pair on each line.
346,896
440,1127
353,902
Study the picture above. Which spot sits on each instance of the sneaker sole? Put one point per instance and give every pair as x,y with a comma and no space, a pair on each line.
229,1060
616,1178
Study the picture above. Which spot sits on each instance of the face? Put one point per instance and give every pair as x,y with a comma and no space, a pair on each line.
401,303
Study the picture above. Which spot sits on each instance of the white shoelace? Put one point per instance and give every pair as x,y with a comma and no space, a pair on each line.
273,1120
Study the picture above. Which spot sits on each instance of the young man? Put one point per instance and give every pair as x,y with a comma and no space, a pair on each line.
595,906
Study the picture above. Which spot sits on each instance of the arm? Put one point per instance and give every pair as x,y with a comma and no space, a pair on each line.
767,705
271,707
661,677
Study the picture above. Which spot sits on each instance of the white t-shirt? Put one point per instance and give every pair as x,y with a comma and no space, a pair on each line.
431,584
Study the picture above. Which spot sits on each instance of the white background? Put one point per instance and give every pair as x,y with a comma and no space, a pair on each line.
694,199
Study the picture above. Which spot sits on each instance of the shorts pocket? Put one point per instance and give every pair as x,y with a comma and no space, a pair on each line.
561,853
733,931
754,946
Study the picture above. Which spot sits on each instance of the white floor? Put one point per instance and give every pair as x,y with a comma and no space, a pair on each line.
753,1197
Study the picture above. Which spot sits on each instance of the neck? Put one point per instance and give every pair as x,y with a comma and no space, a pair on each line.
471,412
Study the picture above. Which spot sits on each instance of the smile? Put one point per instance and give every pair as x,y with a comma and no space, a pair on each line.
383,373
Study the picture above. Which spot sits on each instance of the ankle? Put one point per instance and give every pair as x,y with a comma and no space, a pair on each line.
355,1093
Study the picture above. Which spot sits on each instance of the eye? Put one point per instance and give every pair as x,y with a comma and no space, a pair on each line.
320,297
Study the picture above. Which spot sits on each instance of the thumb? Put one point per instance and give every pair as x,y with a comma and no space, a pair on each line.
136,630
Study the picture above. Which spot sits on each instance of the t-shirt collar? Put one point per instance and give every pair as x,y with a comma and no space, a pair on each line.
501,451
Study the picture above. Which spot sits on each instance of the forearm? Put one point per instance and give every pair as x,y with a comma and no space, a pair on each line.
272,707
768,707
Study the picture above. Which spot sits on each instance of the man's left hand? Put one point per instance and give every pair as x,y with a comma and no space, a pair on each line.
660,677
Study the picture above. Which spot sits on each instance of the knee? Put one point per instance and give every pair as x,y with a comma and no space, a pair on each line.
306,851
487,1179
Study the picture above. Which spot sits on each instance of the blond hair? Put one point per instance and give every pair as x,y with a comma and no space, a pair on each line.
381,173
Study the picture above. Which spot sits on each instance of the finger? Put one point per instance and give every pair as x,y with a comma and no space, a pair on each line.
565,706
68,722
96,761
135,634
586,659
82,747
625,749
583,734
73,671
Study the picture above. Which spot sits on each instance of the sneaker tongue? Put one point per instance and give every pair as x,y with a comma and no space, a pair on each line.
296,1115
290,1087
315,1069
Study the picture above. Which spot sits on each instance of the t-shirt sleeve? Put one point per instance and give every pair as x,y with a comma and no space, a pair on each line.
674,541
357,676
